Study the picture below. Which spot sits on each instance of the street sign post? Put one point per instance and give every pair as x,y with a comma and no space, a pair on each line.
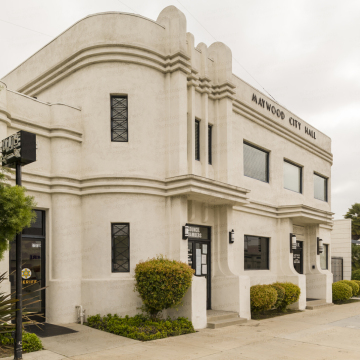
18,150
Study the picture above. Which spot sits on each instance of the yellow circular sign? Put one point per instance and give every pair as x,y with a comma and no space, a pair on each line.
26,273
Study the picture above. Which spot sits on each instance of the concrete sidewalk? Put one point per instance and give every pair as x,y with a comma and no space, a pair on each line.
328,333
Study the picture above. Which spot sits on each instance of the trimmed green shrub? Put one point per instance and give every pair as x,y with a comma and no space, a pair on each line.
355,275
358,282
354,286
162,283
341,291
292,294
280,294
262,297
30,342
141,327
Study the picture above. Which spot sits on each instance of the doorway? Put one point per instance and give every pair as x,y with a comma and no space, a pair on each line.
298,257
33,267
199,255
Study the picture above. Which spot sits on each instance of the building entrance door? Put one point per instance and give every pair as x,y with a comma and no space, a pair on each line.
337,268
199,255
33,267
298,257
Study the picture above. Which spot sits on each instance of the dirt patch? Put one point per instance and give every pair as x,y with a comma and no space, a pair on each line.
273,313
6,351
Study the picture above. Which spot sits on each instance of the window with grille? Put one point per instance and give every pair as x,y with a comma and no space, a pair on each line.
292,177
120,247
320,187
197,140
119,119
210,144
256,253
256,163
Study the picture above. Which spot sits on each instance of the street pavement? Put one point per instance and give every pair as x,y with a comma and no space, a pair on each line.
328,333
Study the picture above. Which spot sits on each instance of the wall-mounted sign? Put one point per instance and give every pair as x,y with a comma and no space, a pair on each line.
199,232
19,148
280,114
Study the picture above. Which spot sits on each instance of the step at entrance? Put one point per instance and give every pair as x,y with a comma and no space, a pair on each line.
218,319
312,304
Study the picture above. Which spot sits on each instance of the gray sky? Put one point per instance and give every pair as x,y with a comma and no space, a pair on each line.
305,53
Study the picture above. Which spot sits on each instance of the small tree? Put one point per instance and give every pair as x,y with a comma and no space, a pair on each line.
15,212
355,257
354,214
162,283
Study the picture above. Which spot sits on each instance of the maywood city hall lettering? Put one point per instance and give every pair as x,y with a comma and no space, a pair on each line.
280,114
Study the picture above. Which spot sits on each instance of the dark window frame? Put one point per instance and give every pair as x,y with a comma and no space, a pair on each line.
301,176
326,247
112,121
210,144
113,246
326,187
197,139
268,253
267,162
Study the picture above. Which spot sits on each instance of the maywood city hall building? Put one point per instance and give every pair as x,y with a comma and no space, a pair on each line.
148,144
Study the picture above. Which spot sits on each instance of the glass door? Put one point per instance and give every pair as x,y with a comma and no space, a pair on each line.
199,258
33,268
298,257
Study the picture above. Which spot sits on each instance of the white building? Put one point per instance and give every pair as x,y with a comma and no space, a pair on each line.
140,132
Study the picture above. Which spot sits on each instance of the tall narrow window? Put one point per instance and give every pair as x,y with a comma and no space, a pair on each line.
120,247
320,187
210,144
292,177
197,140
256,163
324,256
119,118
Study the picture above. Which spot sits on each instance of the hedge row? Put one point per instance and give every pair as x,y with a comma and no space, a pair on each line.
274,296
345,289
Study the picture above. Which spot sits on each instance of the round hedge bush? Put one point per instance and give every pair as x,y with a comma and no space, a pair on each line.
162,283
354,286
341,291
280,294
355,275
262,297
30,343
292,294
358,282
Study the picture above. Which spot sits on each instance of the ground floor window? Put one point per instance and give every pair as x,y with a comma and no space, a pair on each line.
256,252
120,247
324,258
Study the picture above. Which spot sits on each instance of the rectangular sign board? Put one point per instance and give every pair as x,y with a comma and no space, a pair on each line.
18,148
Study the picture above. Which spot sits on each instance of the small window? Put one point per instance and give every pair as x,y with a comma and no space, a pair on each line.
119,119
292,177
256,253
120,247
324,258
256,163
320,187
197,140
210,144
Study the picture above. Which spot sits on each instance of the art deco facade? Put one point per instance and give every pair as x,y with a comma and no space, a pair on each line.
140,132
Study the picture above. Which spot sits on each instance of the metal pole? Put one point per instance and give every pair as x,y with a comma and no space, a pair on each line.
18,331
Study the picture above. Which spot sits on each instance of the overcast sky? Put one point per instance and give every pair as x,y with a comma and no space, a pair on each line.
305,53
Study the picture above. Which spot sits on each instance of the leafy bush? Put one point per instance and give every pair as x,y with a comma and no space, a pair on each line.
354,286
141,327
355,275
262,297
30,342
341,291
280,294
358,282
162,283
292,294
